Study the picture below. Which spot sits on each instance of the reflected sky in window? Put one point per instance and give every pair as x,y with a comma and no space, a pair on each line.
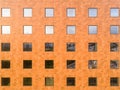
114,12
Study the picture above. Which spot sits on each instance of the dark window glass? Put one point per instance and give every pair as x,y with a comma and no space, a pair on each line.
70,64
114,81
27,46
70,46
5,46
70,81
49,64
27,64
113,47
92,47
49,81
114,64
5,64
49,47
5,81
92,81
27,81
92,64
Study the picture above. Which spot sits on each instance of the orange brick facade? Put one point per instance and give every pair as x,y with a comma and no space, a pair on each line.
38,38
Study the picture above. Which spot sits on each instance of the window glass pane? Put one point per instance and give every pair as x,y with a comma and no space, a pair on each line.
5,46
5,64
27,12
114,64
49,46
92,64
5,29
92,29
49,29
70,29
49,12
71,12
5,81
27,81
114,81
70,81
27,29
114,29
70,64
70,46
92,47
92,12
92,81
27,46
114,12
49,81
113,47
27,64
5,12
49,64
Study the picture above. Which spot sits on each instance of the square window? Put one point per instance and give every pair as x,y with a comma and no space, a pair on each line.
92,12
49,81
113,47
92,64
5,12
92,29
71,12
5,29
114,81
70,46
5,81
114,12
114,64
49,46
49,12
27,46
49,64
27,12
49,30
70,64
27,29
70,81
71,29
5,64
92,47
5,46
27,81
114,29
92,81
27,64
